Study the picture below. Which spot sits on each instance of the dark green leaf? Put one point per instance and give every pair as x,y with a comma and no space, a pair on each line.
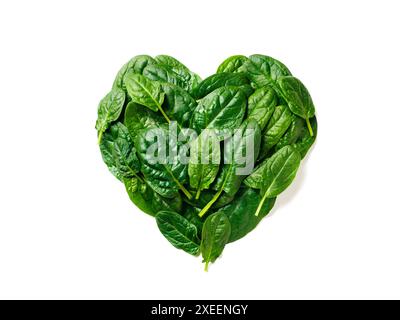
279,173
241,212
167,175
149,201
178,104
219,80
139,117
136,65
305,141
223,108
263,70
204,162
143,91
261,105
297,98
232,64
124,151
277,126
215,235
181,233
232,173
109,110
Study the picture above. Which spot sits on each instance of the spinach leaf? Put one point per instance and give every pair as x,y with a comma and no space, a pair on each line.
179,105
139,117
135,65
277,127
263,70
261,105
118,152
124,151
279,172
190,78
223,108
219,80
255,179
297,98
224,196
241,212
192,215
145,92
204,162
295,131
167,175
181,233
215,235
230,177
232,64
149,201
305,141
109,110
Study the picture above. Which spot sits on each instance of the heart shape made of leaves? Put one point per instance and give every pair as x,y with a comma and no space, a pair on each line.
199,208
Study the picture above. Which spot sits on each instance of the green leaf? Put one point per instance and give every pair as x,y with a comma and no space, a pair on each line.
139,117
255,179
204,162
192,215
279,173
219,80
149,201
190,78
178,104
109,110
223,108
230,179
241,212
296,130
215,235
167,175
232,64
305,141
118,152
298,98
170,70
277,126
181,233
263,70
135,65
145,92
261,105
124,151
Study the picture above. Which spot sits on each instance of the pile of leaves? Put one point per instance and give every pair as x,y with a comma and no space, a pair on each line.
199,208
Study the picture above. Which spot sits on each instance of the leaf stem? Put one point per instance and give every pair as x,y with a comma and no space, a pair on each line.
216,196
208,205
261,204
309,127
198,193
206,266
163,113
100,136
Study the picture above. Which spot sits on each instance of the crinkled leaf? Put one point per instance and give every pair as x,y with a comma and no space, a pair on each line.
261,105
219,80
179,231
223,108
109,110
143,91
232,64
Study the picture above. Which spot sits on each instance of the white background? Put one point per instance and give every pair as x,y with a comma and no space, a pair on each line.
67,228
